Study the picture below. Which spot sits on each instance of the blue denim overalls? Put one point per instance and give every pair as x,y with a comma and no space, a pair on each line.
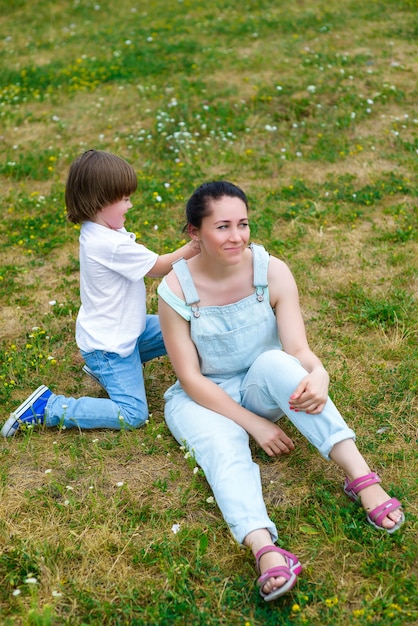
239,349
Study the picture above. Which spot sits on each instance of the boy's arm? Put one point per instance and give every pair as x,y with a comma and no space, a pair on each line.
163,264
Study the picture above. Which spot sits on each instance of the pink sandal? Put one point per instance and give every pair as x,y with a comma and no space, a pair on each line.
378,514
289,572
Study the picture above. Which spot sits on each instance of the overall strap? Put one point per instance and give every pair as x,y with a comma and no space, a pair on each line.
260,266
185,279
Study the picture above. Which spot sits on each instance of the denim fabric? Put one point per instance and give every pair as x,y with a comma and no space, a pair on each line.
122,377
246,360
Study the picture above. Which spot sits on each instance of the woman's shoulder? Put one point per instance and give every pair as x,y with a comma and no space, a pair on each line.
172,282
281,281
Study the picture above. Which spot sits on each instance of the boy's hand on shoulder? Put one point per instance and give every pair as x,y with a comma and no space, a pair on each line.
191,249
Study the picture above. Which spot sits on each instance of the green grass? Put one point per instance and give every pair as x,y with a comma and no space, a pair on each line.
311,107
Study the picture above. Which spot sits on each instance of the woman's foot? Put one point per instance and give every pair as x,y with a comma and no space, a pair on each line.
278,568
266,562
276,579
382,510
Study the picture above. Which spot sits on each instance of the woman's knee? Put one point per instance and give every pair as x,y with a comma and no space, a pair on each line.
275,362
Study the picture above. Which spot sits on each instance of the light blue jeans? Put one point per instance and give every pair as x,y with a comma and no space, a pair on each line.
123,379
221,447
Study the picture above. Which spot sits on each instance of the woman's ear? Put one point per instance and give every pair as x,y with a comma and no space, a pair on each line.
193,232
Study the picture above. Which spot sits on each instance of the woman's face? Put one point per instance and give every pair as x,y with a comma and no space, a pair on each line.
225,232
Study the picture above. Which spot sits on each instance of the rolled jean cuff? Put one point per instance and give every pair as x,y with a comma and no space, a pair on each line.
240,532
329,443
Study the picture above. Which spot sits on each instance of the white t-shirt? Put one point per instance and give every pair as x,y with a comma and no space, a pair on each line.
112,289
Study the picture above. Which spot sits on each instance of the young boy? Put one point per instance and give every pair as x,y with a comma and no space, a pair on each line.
113,331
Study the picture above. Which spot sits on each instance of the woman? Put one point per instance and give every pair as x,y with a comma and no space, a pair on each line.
233,330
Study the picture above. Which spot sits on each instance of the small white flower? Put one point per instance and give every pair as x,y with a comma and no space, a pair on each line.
69,488
65,406
31,581
195,470
279,87
56,594
16,592
52,302
55,118
210,500
311,88
120,484
48,471
175,528
158,436
95,440
66,502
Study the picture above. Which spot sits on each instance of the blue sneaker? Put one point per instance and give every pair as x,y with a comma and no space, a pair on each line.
30,412
92,375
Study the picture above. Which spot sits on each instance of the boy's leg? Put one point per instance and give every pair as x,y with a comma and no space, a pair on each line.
123,379
266,390
151,343
126,408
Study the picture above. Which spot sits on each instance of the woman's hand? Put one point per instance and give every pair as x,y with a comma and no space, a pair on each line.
271,437
312,392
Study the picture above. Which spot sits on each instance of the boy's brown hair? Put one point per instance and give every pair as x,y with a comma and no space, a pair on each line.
95,180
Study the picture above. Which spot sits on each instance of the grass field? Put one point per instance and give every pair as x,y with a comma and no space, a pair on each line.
311,108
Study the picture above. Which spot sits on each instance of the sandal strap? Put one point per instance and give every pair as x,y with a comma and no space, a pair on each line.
291,559
275,572
380,512
361,483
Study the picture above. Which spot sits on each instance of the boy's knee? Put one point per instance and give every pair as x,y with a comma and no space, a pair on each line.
134,415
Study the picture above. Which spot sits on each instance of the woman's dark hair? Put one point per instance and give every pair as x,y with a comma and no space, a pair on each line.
198,207
95,180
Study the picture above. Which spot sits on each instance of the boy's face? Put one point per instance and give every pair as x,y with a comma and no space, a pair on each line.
113,215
